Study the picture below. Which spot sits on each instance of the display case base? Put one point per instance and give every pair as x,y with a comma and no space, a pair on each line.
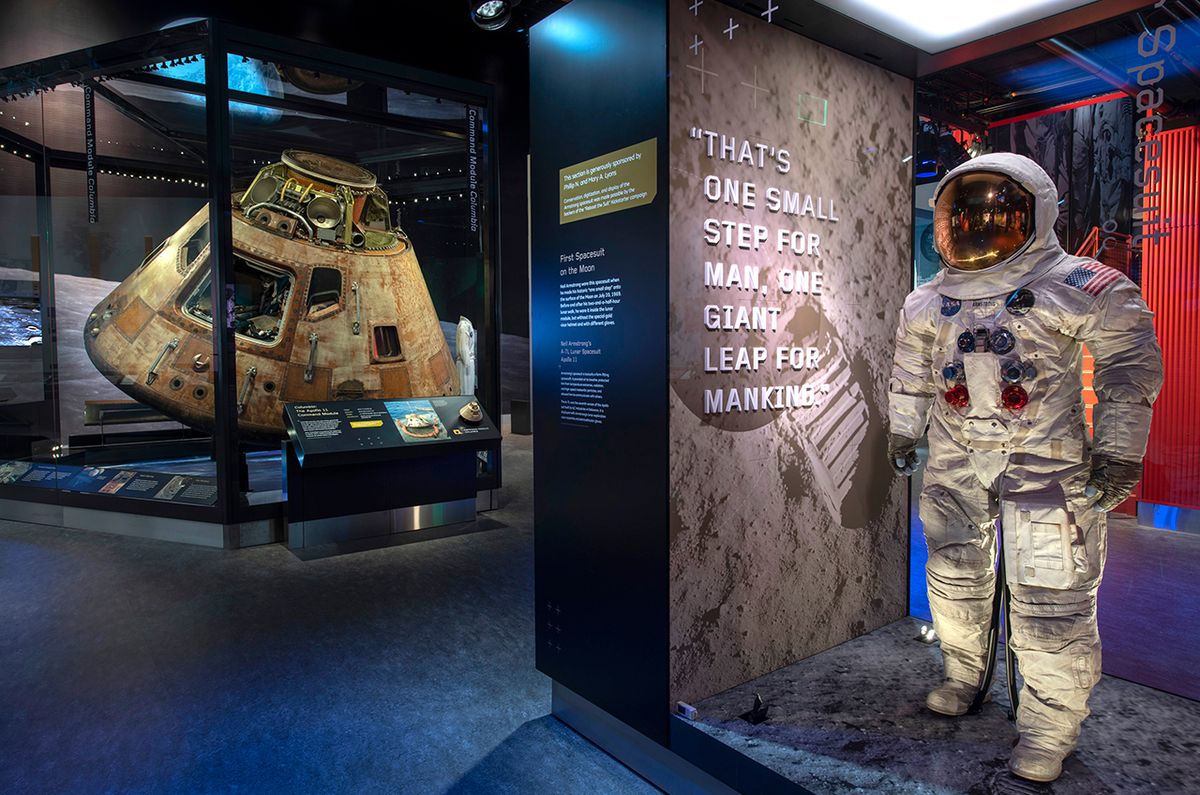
159,528
1168,517
487,500
358,527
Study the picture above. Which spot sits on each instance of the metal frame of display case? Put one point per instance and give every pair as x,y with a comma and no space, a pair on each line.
216,39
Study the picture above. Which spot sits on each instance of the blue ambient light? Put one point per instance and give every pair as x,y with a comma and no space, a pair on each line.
1166,517
575,35
247,76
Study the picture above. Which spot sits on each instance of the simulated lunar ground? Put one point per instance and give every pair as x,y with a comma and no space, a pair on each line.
853,719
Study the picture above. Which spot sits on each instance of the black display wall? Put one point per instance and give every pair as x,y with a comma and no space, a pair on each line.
600,385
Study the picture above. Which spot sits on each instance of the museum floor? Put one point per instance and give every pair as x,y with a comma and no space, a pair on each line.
138,666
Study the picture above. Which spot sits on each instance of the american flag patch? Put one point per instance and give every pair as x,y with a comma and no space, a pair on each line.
1092,277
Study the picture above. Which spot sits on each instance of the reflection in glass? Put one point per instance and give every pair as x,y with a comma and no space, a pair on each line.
981,219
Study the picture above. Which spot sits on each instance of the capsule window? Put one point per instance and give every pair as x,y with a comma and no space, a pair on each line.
387,343
153,253
196,244
260,300
324,290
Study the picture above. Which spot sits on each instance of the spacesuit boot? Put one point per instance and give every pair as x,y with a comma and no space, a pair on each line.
952,699
1034,763
989,361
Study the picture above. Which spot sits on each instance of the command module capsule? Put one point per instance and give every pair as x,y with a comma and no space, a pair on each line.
329,304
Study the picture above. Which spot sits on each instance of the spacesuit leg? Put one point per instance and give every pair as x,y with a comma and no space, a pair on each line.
959,517
1057,643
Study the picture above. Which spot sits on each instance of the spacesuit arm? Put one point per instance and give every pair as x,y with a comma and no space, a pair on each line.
911,389
1119,332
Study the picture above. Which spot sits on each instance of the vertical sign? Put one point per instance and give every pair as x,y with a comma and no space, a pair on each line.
89,136
473,167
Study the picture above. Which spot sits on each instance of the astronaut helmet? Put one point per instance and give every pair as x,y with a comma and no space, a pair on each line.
993,210
981,219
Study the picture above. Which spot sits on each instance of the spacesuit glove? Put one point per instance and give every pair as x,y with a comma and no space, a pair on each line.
902,452
1112,481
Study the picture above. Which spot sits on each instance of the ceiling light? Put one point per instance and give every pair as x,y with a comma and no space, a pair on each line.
936,25
491,14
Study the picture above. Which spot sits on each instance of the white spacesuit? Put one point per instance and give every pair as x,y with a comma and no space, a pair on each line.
988,354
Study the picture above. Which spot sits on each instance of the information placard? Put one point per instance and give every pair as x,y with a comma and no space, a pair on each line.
121,481
374,428
611,182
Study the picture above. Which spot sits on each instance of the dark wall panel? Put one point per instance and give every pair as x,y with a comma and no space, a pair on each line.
598,84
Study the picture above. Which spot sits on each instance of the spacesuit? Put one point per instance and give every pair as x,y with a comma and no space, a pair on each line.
465,355
988,355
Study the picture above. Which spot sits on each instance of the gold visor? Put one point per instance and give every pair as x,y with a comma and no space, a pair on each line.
981,218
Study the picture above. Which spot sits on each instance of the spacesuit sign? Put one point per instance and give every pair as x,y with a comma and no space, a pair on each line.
988,356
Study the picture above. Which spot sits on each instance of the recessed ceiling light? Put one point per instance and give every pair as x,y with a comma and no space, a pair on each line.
936,25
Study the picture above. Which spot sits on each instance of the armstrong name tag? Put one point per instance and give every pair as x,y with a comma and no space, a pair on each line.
985,305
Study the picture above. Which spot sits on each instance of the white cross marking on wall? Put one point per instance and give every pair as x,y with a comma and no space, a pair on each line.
756,87
732,27
770,12
695,45
695,7
703,72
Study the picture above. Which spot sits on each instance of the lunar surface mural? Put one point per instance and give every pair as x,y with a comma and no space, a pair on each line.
791,218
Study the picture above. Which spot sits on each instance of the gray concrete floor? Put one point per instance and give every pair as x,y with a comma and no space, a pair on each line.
136,666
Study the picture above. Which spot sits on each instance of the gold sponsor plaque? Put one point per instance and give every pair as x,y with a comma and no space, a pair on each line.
609,183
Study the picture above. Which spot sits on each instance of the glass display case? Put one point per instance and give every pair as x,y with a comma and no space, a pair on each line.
205,223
